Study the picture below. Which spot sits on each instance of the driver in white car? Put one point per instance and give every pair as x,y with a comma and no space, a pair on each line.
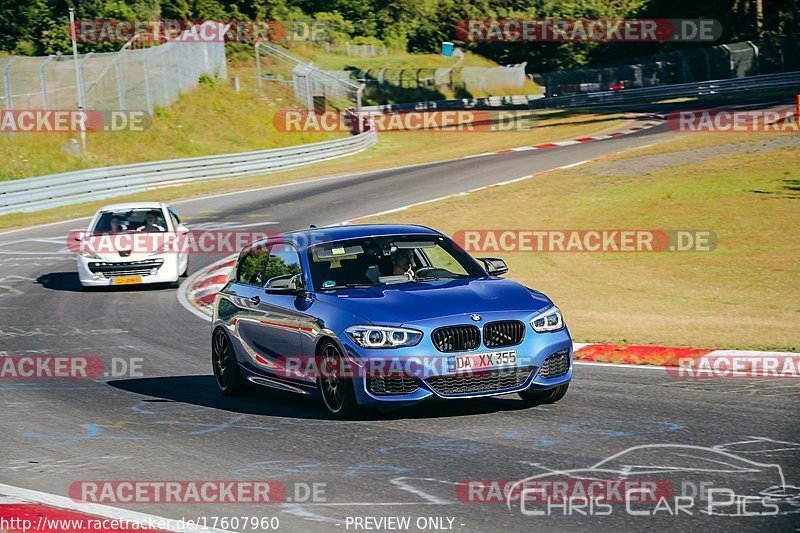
150,223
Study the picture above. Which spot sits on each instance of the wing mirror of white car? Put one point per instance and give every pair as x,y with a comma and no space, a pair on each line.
78,236
494,266
182,230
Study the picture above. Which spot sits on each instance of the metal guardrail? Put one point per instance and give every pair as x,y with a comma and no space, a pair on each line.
33,194
55,190
625,96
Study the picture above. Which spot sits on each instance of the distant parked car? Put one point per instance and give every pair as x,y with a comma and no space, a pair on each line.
330,312
132,244
620,85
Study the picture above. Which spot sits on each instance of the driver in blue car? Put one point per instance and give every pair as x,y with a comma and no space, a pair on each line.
402,261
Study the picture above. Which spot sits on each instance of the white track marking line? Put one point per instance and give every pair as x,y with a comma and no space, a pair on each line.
105,511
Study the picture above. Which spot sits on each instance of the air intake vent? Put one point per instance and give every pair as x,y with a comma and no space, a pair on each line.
555,365
385,385
488,382
457,338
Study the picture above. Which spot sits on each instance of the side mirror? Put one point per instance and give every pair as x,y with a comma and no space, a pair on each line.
182,230
284,285
494,266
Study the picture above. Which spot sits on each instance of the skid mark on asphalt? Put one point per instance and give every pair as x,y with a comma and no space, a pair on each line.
47,465
742,386
54,331
283,469
544,435
93,433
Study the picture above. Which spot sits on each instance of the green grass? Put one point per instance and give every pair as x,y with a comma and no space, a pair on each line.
741,295
206,121
393,149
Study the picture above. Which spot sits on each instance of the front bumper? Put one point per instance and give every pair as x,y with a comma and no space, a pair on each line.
103,273
422,372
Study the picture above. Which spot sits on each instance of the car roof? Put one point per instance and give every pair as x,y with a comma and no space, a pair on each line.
133,205
313,236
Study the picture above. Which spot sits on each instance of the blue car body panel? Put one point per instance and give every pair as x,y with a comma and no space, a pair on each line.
266,335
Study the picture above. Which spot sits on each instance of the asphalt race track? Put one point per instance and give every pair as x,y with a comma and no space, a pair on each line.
173,424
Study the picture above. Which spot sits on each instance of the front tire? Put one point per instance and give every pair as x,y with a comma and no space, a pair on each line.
534,397
223,361
338,393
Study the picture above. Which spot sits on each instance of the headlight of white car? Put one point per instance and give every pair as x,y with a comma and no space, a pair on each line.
383,337
548,320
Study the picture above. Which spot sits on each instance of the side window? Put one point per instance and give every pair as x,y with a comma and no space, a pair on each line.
260,265
251,268
283,262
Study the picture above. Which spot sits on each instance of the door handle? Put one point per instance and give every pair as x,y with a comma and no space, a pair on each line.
255,299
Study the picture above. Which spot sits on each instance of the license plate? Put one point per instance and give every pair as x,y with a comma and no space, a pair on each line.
482,361
131,280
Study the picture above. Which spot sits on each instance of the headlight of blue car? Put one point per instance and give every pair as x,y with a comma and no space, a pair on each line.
383,337
548,320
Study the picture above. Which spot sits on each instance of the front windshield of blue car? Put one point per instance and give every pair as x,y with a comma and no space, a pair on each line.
387,261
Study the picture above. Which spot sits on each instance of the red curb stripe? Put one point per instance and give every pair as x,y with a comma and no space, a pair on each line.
586,139
545,145
615,134
637,354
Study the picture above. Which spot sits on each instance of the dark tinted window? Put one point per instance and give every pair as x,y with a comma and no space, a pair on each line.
260,265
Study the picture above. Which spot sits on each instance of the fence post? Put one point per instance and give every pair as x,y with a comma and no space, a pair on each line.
83,87
164,74
120,90
258,67
43,78
7,83
730,59
755,57
147,96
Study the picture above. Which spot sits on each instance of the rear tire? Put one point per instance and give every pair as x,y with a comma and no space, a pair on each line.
338,393
223,361
534,397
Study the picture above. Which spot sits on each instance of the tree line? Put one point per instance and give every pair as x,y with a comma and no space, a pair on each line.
40,27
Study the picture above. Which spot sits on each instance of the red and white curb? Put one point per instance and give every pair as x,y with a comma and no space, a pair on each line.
570,142
29,511
663,357
204,285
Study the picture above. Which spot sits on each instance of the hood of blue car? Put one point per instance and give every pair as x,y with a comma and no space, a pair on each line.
413,302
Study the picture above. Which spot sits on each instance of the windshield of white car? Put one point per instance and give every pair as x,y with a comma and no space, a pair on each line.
120,221
387,261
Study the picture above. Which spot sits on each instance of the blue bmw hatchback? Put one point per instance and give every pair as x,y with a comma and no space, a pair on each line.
384,314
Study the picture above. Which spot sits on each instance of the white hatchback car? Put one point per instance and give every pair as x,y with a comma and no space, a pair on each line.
131,244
